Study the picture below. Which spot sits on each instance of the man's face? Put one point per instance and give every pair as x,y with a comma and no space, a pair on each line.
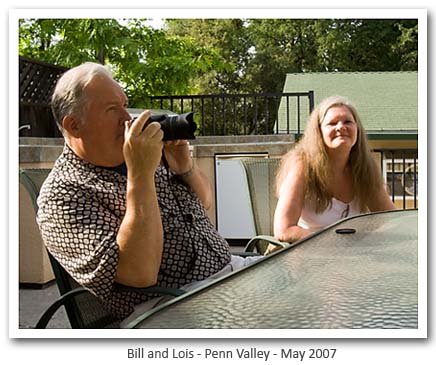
103,122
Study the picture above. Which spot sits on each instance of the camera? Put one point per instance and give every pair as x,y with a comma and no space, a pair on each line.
175,126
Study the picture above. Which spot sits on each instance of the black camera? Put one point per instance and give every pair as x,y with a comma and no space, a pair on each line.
175,126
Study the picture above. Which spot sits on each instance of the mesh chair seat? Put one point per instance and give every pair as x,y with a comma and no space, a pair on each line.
261,175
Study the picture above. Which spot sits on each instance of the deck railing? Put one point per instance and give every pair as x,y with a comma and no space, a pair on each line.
241,114
400,171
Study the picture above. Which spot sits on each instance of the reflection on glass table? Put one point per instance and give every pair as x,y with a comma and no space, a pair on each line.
363,278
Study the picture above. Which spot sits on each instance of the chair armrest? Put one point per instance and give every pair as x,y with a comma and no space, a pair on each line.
251,245
247,254
175,292
50,311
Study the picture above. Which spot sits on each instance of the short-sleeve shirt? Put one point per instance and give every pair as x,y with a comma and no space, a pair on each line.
81,207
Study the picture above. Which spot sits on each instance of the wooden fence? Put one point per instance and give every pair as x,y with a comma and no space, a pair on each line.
36,83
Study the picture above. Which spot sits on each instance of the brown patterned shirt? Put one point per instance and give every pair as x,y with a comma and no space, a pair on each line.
81,207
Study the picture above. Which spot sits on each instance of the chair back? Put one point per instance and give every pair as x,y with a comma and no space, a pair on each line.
261,174
86,310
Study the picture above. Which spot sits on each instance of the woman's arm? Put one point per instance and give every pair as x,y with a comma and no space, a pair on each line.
290,204
382,201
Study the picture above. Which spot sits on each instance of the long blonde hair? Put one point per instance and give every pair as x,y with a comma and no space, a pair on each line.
311,150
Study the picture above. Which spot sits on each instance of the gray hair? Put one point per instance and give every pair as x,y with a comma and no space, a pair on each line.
69,97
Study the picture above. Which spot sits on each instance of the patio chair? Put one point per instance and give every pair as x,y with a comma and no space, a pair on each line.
261,174
84,309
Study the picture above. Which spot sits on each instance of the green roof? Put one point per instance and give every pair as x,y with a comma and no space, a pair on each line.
387,102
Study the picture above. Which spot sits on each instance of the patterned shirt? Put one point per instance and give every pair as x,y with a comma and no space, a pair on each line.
81,207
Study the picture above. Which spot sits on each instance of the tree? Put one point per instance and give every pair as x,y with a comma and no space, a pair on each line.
229,38
262,51
281,46
366,45
406,45
146,61
221,55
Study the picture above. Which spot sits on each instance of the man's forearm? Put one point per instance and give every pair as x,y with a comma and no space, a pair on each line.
199,183
140,237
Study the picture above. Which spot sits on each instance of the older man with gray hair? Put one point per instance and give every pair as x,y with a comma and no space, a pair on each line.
110,211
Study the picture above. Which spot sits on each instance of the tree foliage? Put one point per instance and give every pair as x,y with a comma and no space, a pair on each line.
146,61
221,55
262,51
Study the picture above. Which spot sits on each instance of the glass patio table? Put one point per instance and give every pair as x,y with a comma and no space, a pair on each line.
359,273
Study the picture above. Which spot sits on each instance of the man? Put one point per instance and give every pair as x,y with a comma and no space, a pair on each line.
109,212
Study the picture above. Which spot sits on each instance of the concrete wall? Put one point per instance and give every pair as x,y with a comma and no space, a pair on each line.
34,263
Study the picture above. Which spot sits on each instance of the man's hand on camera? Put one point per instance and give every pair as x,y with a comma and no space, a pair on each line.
142,146
178,156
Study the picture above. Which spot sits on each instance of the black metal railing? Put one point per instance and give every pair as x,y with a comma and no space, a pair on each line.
241,114
400,170
216,114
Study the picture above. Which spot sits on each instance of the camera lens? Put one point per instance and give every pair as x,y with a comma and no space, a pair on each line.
176,126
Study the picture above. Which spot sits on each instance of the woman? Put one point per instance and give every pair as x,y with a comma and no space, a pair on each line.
329,175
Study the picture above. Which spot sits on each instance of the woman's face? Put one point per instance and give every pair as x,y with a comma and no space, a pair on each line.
339,129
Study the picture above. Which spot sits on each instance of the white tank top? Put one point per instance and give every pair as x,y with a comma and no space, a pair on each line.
309,219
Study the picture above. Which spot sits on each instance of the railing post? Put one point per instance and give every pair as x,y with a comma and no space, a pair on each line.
245,114
213,116
203,123
288,114
298,118
311,101
224,114
415,176
404,180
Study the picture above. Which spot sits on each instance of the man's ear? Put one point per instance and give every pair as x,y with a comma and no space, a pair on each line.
72,126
